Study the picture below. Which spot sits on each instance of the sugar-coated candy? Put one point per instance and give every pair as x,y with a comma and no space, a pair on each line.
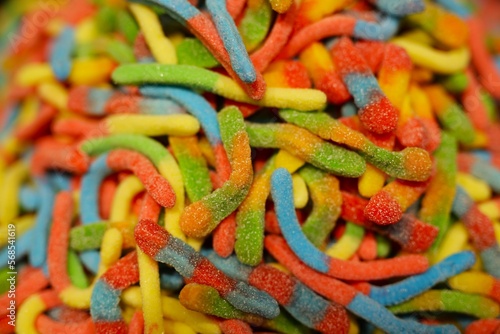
249,166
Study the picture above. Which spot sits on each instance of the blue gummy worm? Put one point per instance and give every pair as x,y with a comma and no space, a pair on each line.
383,30
38,249
29,198
104,303
382,318
408,288
89,194
181,10
194,104
400,7
282,193
363,87
60,55
238,55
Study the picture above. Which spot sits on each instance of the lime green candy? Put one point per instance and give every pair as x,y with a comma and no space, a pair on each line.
255,23
89,236
192,52
76,272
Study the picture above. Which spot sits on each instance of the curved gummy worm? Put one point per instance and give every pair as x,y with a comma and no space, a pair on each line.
289,292
450,301
338,25
199,78
413,164
33,320
159,156
327,200
163,247
444,62
203,111
60,55
376,112
156,185
282,194
233,43
102,101
104,304
476,282
89,193
346,295
480,229
254,23
204,29
203,216
306,146
276,40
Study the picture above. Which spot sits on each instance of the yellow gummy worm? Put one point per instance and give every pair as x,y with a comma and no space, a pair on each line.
300,193
444,62
371,181
286,160
22,223
153,125
29,310
9,206
453,242
161,47
472,282
125,192
54,94
174,310
476,188
150,292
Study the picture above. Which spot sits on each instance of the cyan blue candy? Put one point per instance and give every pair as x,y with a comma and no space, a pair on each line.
60,55
400,7
383,30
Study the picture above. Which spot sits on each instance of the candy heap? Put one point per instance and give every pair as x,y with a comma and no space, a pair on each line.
169,166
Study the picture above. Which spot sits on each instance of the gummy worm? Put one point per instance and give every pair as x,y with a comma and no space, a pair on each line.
338,25
163,247
396,164
60,55
450,301
101,101
199,78
161,158
375,108
481,169
306,146
327,201
346,295
476,282
282,193
201,217
203,28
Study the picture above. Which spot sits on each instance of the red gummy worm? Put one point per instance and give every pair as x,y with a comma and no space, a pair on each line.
50,153
40,123
327,27
78,128
235,326
57,253
156,185
326,286
481,58
276,40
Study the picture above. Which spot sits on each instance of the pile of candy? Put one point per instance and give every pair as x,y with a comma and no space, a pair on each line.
232,166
